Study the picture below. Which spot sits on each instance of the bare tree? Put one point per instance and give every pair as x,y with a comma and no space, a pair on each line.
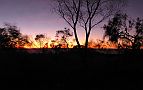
86,13
69,10
94,12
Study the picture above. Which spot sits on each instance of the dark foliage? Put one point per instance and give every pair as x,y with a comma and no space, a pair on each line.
120,27
10,37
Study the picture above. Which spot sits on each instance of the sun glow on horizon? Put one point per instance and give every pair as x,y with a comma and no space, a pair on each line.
51,44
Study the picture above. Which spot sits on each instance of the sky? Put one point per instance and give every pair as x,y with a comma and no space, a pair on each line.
35,17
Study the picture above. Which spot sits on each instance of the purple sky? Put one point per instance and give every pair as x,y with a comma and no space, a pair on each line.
35,16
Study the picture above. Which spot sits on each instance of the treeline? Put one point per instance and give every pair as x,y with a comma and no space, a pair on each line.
121,32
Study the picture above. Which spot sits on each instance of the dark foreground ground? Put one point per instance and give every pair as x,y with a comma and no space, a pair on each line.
71,70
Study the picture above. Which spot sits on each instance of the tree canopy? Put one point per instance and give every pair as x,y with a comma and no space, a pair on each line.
10,37
127,32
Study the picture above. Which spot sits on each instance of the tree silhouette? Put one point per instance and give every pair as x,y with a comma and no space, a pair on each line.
30,43
10,37
69,10
63,36
120,28
40,40
86,13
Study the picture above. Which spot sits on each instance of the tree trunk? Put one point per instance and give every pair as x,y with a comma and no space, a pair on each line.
87,37
86,41
76,38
